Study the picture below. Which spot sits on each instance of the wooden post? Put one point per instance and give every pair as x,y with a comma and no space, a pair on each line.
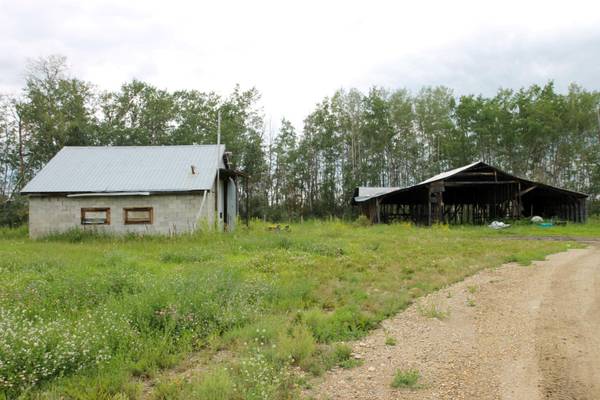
429,205
519,201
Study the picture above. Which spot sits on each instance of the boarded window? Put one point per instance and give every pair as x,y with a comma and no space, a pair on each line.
138,215
95,216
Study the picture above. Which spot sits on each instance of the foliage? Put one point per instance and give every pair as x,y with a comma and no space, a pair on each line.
378,138
56,109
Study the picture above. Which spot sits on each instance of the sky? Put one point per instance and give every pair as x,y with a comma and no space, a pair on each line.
297,52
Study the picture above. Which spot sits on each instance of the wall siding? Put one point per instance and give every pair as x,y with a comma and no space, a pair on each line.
172,213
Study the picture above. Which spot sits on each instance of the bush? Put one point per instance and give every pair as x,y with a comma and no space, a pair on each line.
13,212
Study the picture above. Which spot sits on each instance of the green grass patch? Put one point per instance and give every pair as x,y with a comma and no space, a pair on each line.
406,379
88,316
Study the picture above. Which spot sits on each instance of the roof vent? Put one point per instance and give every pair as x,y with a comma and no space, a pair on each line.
194,170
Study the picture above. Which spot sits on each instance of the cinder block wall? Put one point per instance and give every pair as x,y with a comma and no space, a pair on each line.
173,214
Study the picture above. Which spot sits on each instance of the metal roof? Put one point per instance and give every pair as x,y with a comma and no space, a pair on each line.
448,174
129,169
365,193
378,191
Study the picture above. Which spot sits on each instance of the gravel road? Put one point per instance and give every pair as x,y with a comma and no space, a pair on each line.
522,333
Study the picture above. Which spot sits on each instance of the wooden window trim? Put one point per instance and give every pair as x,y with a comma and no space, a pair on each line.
96,209
150,210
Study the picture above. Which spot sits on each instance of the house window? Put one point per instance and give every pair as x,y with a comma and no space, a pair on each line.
95,216
138,215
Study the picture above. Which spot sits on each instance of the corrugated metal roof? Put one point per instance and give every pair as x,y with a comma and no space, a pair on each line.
379,191
448,174
129,169
365,193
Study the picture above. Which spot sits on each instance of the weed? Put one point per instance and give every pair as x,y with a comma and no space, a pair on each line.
327,356
170,391
390,341
470,302
351,363
433,311
472,289
406,379
295,346
362,221
217,385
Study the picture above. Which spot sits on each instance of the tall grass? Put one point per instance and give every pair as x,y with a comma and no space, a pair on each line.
87,316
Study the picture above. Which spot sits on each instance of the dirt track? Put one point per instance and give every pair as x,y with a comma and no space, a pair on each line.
522,333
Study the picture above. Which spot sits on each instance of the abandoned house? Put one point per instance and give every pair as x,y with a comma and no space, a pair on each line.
134,189
476,193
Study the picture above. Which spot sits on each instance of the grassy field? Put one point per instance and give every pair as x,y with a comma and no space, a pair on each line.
248,315
591,230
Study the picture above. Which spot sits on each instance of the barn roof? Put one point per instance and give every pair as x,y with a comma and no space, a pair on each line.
112,169
365,193
378,192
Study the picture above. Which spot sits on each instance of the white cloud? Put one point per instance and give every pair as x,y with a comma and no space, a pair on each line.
297,53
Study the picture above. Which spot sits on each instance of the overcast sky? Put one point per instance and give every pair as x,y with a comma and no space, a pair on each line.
295,53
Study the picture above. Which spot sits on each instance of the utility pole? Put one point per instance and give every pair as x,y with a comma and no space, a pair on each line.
598,115
218,181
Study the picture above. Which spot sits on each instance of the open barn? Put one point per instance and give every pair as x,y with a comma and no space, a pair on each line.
473,194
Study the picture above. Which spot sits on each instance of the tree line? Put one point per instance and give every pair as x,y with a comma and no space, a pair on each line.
379,138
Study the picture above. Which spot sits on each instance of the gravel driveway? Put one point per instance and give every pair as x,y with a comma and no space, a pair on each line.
510,333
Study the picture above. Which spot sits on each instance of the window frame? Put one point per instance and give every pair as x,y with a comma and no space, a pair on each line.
95,209
149,221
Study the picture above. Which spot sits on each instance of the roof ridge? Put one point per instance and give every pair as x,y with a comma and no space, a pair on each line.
145,146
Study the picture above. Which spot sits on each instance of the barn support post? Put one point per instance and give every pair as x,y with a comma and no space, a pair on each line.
570,212
428,205
436,202
517,214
